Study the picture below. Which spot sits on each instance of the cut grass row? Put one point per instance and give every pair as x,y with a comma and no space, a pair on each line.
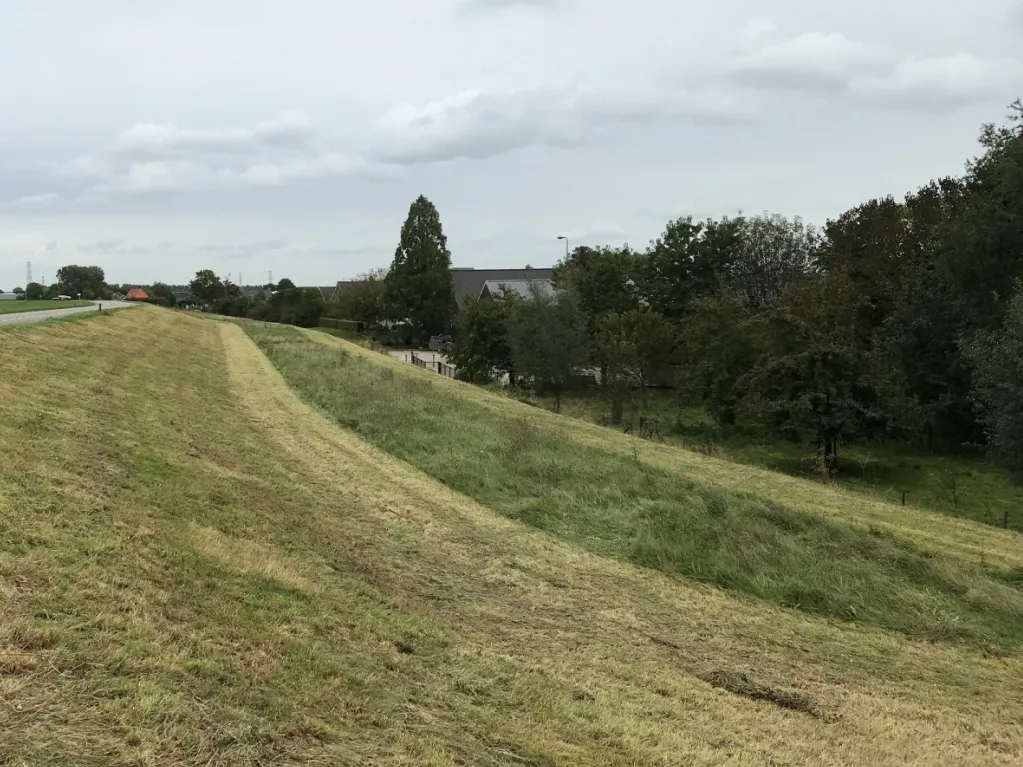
529,467
17,307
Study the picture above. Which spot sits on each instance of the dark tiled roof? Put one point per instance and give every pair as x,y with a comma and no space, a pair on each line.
470,282
519,287
343,285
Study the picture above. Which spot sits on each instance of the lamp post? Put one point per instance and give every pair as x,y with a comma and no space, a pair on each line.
563,237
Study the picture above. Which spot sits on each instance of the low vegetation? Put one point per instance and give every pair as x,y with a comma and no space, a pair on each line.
197,568
750,543
961,484
16,307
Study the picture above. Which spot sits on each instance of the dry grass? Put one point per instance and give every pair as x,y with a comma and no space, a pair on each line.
197,568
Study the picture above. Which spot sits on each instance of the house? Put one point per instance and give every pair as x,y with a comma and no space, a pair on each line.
327,291
470,282
524,288
136,294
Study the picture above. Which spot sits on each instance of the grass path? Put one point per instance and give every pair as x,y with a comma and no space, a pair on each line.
196,567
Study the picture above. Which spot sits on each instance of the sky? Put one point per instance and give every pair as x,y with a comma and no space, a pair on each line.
247,136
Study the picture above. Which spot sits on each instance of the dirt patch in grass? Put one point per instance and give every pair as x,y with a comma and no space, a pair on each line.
740,683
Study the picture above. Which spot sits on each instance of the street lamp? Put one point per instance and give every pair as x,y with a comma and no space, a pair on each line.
563,237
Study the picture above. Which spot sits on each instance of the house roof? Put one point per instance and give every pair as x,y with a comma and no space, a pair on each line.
136,293
470,282
521,287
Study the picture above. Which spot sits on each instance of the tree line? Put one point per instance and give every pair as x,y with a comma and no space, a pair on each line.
280,302
899,319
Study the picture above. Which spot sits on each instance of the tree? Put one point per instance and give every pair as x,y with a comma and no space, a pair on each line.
418,285
632,348
548,340
298,306
362,300
997,358
771,252
616,350
162,290
482,348
654,340
715,351
285,284
33,291
602,280
19,292
688,261
206,286
85,281
814,380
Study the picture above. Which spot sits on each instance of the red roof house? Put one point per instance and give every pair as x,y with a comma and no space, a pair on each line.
136,294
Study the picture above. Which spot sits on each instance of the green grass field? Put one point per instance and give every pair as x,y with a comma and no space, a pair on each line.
199,567
17,307
959,485
747,543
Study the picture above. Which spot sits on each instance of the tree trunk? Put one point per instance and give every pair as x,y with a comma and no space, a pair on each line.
831,456
617,406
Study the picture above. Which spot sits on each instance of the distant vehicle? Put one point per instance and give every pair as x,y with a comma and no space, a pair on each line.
63,298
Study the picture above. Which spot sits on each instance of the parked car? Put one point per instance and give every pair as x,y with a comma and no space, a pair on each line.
63,298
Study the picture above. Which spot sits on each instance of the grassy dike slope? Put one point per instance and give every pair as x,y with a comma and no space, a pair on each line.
198,568
754,533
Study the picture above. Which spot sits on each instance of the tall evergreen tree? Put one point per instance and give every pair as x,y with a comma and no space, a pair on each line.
418,285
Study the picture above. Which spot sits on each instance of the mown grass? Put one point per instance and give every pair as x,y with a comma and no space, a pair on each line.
959,485
196,568
630,510
17,307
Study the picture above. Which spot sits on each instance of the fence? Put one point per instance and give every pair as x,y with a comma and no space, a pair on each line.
350,325
446,370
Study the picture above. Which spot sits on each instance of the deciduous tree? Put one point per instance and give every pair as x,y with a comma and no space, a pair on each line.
549,340
85,281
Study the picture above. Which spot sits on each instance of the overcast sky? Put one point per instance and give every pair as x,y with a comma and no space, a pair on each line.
156,138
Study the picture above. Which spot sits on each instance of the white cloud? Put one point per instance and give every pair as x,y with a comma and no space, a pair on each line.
300,169
808,61
477,124
38,200
836,64
940,83
289,129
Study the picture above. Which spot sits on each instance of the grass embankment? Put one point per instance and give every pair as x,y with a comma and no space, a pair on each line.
197,568
17,307
959,485
755,543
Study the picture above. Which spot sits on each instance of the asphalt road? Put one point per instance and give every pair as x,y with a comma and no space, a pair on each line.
48,314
